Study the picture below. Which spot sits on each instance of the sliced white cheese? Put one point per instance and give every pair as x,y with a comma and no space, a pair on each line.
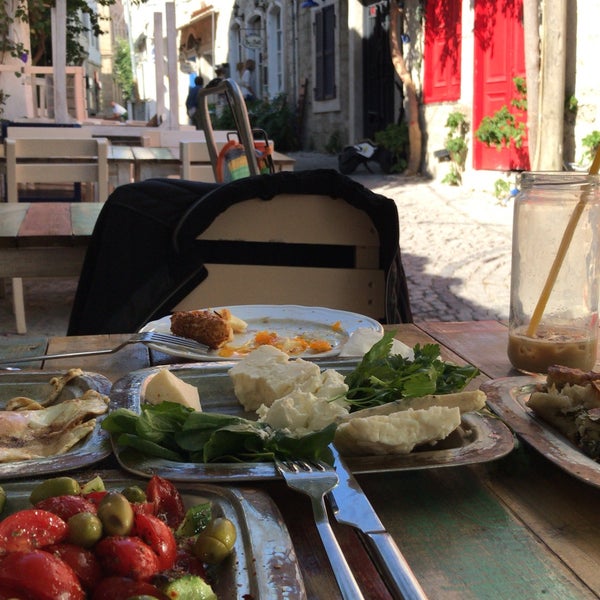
397,433
166,387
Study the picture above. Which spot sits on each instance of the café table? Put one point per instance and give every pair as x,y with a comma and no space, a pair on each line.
515,527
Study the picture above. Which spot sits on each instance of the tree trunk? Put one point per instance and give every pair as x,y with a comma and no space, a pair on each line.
414,130
531,26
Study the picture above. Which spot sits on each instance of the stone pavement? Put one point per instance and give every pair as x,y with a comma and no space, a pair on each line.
455,243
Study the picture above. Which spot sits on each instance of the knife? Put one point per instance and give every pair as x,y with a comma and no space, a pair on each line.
351,507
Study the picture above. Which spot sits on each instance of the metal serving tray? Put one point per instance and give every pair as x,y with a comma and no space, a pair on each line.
480,438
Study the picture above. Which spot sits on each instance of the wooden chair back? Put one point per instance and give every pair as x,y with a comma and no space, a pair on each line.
55,161
292,249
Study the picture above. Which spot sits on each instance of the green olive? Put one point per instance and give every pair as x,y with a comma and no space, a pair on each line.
216,541
116,514
57,486
134,493
85,529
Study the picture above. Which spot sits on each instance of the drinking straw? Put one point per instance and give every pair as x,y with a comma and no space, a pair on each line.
560,255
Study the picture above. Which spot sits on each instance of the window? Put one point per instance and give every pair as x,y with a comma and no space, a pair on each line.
274,51
325,38
442,51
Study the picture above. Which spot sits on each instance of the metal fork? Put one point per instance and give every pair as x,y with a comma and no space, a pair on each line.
315,479
146,337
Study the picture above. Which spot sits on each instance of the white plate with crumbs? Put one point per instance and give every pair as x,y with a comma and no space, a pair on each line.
291,325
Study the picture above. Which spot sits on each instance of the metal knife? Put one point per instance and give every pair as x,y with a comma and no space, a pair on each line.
352,507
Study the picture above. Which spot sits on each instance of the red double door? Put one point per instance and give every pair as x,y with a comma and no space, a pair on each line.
498,59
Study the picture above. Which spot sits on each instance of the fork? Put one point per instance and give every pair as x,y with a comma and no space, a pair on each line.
315,479
146,337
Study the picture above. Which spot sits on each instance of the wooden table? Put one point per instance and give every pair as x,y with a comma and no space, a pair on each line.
45,239
515,528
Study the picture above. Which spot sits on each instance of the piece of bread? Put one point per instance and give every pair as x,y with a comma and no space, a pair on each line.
204,326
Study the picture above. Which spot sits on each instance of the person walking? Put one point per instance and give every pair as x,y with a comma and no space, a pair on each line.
191,102
247,81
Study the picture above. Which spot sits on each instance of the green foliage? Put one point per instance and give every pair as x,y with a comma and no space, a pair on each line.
37,14
123,71
571,104
334,144
591,142
456,144
505,127
276,117
501,188
395,139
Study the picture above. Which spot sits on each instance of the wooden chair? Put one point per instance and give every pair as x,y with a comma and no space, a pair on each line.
195,161
312,237
328,254
54,161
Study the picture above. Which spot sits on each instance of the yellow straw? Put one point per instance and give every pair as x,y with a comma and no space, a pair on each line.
560,255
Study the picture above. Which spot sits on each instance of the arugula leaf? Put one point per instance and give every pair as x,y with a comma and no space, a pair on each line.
381,377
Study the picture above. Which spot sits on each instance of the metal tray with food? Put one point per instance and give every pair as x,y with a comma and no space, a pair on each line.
508,397
46,425
480,437
262,564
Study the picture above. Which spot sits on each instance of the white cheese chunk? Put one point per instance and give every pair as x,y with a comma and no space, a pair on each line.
167,387
268,373
397,433
302,412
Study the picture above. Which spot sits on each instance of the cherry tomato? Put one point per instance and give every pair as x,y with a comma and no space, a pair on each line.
144,508
186,563
40,575
29,529
168,504
66,506
127,556
159,536
95,497
83,562
8,594
123,588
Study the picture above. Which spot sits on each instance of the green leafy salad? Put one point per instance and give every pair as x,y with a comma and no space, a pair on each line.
175,432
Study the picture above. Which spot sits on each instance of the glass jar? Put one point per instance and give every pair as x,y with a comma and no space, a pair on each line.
553,315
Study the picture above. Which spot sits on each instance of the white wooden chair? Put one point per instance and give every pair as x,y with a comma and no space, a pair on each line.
55,161
195,161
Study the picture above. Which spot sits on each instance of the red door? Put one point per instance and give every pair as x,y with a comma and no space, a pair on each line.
499,58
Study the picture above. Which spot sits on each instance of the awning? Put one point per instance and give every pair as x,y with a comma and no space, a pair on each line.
199,33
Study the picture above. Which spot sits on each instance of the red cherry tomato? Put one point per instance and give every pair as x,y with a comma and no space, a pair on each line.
168,504
127,556
95,497
40,575
144,508
123,588
186,563
66,506
29,529
83,562
159,536
7,594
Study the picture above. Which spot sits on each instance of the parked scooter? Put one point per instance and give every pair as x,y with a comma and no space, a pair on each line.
361,154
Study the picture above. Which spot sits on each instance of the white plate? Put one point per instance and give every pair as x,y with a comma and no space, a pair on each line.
508,397
286,320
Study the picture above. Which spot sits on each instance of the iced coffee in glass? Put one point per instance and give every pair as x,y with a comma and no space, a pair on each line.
555,277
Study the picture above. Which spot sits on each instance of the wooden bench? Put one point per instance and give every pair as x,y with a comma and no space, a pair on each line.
43,239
